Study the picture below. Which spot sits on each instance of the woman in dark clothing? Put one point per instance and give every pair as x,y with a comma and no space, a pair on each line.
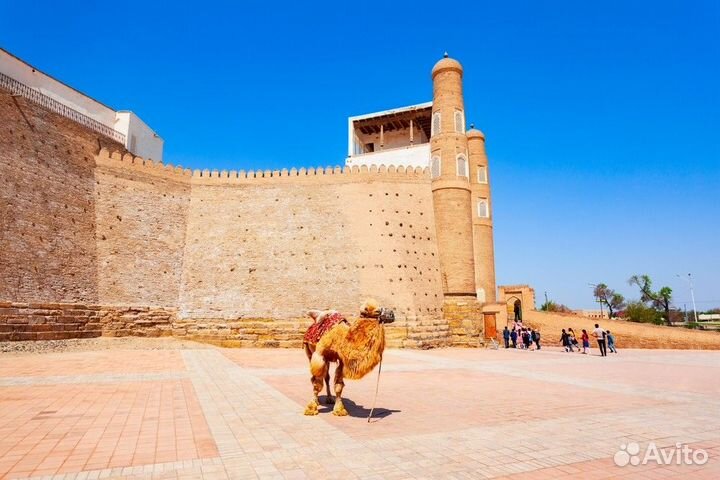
526,338
535,337
565,340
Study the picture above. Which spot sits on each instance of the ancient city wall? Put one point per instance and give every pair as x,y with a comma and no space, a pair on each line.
285,242
47,208
96,241
141,213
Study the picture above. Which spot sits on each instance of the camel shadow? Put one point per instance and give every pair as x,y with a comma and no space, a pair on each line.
358,411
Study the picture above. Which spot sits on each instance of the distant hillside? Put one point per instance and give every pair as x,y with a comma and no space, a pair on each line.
627,334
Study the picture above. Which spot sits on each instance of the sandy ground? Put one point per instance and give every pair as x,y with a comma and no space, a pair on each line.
627,334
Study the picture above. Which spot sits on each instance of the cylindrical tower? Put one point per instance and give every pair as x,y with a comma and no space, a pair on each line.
450,180
482,217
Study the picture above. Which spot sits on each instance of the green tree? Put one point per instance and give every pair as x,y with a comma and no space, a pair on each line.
610,298
660,299
548,306
551,306
641,313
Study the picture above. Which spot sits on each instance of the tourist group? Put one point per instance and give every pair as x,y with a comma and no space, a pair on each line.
528,338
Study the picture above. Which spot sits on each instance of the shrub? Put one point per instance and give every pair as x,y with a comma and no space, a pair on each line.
551,306
641,313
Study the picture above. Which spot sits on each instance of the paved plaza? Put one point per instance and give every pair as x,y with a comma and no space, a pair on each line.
194,411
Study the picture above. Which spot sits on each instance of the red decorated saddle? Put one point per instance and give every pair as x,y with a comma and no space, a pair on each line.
318,329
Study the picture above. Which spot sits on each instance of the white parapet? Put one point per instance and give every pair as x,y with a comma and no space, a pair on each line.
27,81
412,156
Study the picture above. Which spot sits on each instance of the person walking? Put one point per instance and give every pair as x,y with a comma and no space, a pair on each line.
610,341
573,340
536,338
526,338
565,340
513,337
585,341
599,334
506,337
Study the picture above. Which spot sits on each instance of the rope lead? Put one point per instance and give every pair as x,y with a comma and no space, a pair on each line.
377,387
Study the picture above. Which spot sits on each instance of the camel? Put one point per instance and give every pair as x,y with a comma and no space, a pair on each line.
357,347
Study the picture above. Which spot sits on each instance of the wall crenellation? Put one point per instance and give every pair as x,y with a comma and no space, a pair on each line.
158,168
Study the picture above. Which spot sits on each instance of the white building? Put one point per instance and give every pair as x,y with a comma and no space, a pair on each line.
399,137
123,126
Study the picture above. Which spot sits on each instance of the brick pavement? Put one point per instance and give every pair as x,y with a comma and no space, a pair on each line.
226,414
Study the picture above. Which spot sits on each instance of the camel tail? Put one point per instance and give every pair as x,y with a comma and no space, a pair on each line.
317,365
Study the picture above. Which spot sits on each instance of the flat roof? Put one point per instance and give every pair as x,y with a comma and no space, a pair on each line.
55,79
410,108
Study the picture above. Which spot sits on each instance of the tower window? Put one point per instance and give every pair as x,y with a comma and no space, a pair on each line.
482,174
459,122
482,207
435,167
462,169
435,127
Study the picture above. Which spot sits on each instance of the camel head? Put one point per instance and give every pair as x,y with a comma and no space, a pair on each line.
370,309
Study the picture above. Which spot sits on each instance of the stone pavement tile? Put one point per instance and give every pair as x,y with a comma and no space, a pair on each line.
638,374
88,363
459,414
70,428
292,360
470,399
606,469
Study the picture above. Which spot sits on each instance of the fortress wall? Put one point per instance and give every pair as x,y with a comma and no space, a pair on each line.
97,243
47,210
274,246
141,212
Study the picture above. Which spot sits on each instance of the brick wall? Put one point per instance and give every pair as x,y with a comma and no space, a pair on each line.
141,217
47,208
277,249
233,256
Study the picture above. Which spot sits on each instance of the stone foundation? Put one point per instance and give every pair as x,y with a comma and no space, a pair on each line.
57,321
465,319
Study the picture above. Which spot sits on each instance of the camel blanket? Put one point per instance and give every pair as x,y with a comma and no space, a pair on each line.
318,329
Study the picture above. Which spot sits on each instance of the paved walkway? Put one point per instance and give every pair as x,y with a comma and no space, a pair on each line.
232,414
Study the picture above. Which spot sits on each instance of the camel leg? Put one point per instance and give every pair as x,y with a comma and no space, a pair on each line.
328,398
317,383
339,408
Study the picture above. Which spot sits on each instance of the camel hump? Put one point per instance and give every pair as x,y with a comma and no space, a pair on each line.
322,325
314,314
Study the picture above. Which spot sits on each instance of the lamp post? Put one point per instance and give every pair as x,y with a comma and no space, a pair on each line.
692,293
599,300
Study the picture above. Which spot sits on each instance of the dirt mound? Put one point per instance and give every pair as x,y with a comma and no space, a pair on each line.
627,334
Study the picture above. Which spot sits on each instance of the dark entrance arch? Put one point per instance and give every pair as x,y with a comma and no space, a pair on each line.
514,309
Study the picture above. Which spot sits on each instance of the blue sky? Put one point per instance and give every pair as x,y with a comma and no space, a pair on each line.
602,120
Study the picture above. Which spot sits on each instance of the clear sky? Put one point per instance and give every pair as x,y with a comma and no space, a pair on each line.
602,118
